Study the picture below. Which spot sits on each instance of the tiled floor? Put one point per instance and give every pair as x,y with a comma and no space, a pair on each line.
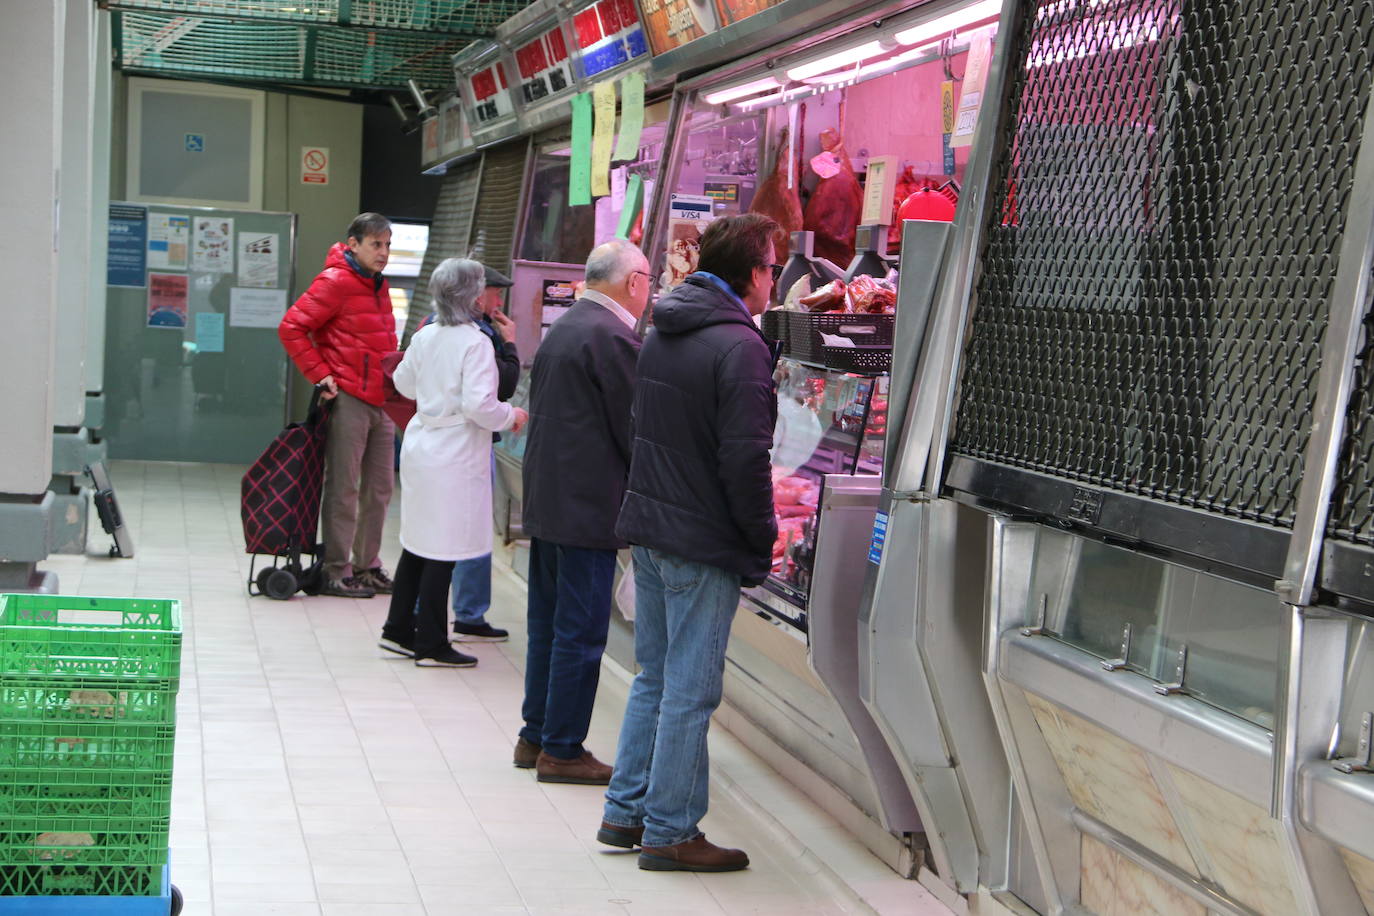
314,775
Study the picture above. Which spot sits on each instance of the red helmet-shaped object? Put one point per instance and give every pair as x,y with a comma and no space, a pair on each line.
929,204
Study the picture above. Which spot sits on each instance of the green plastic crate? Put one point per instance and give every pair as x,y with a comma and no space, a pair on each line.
123,638
88,700
87,745
86,880
49,793
83,840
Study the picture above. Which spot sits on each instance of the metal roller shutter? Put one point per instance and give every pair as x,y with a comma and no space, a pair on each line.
502,186
448,234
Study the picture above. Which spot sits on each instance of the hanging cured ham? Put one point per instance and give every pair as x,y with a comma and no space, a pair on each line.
776,200
835,205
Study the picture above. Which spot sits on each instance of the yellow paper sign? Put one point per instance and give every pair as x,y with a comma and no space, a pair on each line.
879,186
971,99
947,107
603,135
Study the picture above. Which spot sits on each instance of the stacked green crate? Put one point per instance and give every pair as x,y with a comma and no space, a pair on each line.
87,723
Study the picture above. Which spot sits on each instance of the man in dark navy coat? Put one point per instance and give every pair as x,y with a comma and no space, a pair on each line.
577,458
699,510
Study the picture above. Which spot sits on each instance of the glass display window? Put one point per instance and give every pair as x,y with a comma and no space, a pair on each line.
864,130
558,233
825,425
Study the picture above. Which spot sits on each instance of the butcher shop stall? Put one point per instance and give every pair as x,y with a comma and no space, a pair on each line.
856,139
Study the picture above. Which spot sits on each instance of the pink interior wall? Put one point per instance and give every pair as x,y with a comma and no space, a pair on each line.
899,115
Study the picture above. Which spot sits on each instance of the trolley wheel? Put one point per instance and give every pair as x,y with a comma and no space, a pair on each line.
263,575
176,900
280,583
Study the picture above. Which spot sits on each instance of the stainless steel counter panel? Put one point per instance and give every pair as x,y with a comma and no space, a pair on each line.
1338,806
848,505
1213,744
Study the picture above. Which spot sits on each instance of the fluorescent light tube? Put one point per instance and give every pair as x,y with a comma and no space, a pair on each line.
730,93
948,22
835,61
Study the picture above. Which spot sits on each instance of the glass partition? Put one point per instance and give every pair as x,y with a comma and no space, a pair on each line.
1138,612
194,370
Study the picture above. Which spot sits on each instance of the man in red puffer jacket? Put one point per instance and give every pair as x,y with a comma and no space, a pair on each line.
336,334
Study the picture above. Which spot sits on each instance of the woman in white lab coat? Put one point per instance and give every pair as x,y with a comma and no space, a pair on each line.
450,371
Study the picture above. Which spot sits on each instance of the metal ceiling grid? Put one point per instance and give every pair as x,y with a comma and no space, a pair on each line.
364,44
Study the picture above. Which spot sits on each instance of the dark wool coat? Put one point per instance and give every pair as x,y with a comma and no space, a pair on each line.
578,451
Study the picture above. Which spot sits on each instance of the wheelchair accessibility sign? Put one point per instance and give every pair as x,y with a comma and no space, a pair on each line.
195,143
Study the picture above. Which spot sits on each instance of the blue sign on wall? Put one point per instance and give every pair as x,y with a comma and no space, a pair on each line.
195,143
875,547
128,258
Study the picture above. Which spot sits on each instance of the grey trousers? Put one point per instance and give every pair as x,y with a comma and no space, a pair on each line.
359,454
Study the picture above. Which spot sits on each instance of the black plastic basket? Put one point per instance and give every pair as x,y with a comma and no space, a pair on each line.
800,334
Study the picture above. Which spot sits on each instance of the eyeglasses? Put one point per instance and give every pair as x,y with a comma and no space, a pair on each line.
643,273
777,272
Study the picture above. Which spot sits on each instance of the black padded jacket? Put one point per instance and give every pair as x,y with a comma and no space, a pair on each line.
701,485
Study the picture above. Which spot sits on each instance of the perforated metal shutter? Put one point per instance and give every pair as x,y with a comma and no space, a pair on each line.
448,233
498,204
1170,189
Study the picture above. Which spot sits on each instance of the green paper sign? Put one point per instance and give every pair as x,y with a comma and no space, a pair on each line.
631,117
580,165
634,202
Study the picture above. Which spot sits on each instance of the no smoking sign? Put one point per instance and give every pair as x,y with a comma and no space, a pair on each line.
314,165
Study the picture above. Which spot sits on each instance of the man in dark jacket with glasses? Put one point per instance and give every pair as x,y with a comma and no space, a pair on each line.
699,510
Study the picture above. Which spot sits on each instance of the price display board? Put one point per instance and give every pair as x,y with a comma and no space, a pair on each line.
491,96
608,34
544,65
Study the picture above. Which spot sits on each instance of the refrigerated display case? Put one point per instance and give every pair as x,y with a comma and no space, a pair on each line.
829,423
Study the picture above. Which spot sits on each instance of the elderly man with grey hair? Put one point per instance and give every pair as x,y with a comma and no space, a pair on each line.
577,458
450,371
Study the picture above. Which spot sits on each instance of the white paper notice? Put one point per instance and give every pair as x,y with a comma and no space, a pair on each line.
258,259
256,308
214,245
169,238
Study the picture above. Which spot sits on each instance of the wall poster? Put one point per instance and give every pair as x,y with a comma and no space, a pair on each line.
214,245
167,300
258,253
169,240
673,23
256,308
688,216
128,237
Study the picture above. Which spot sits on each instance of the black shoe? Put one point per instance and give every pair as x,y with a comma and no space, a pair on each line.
479,632
375,579
447,657
347,588
395,645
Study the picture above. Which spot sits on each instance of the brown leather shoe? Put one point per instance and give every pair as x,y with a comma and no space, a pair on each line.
526,753
616,835
584,771
697,854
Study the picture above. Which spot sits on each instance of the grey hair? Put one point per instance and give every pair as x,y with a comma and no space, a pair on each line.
454,287
611,262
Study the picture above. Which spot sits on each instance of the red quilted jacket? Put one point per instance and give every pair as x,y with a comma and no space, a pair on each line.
342,326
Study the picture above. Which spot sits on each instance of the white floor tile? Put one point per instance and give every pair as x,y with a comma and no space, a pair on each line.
318,776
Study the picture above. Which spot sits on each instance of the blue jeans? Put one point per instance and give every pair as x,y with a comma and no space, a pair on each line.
683,612
569,614
472,590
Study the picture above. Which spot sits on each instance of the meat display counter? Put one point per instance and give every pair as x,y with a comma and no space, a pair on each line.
829,423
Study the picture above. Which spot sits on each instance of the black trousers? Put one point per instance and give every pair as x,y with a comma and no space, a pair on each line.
424,628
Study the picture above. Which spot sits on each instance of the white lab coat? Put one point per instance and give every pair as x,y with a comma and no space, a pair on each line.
446,455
